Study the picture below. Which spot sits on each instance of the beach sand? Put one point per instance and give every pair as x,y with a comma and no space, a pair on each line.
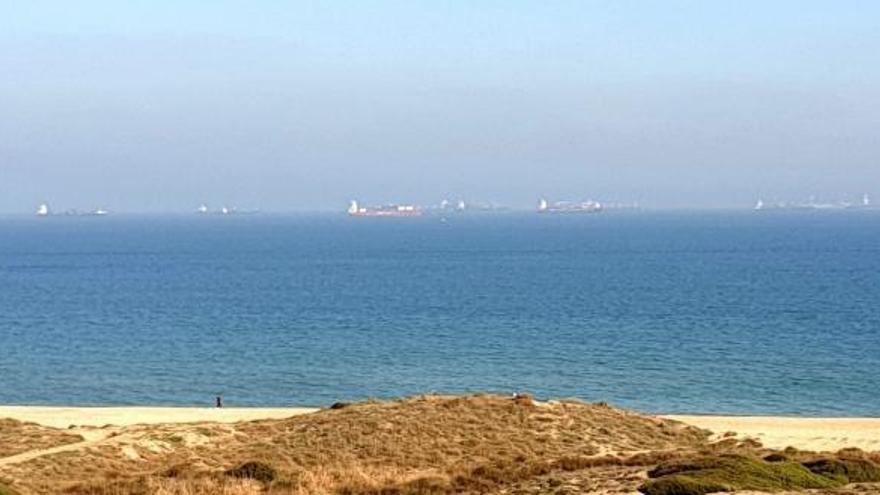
819,434
64,417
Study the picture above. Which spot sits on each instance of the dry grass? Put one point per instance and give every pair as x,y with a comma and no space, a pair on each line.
428,445
17,437
166,486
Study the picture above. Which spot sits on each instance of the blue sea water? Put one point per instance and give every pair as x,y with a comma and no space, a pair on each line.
729,312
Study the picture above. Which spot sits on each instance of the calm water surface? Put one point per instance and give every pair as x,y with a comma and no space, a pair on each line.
663,312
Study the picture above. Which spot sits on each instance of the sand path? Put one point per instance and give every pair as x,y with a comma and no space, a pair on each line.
91,437
91,423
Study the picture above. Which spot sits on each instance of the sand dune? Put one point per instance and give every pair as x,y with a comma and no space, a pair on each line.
418,445
425,444
774,432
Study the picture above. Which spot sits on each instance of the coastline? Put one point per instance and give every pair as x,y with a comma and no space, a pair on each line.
64,417
779,432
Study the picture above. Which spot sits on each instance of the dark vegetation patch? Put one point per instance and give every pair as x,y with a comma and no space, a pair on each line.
725,473
776,457
254,470
845,470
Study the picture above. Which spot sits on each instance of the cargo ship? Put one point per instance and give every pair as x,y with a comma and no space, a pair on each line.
44,211
864,204
569,207
356,210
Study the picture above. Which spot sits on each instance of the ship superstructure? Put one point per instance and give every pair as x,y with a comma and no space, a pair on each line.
589,206
813,204
356,210
45,211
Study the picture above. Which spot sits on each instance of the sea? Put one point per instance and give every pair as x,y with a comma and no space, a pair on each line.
663,312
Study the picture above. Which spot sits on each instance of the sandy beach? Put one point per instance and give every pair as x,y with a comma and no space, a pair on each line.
774,432
819,434
64,417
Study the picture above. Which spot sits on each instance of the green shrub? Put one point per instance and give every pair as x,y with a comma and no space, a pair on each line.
845,470
685,465
704,475
682,485
5,490
254,470
776,457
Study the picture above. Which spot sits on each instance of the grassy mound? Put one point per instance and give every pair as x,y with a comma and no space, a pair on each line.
729,473
5,490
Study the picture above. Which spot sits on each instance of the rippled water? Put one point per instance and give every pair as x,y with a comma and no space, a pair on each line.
664,312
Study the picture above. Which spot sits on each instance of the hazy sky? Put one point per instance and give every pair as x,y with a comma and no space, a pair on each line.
162,105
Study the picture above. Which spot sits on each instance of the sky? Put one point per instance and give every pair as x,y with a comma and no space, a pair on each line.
152,106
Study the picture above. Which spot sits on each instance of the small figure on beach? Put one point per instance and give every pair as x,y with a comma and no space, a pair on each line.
219,401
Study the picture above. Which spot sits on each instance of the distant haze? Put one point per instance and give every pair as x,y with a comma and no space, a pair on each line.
161,106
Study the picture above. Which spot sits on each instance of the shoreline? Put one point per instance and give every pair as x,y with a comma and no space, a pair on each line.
98,416
778,432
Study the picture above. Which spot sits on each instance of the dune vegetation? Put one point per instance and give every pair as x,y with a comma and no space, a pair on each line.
17,437
726,473
430,445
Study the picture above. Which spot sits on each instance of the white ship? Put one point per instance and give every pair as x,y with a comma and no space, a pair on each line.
356,210
229,211
812,204
589,206
44,211
202,209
